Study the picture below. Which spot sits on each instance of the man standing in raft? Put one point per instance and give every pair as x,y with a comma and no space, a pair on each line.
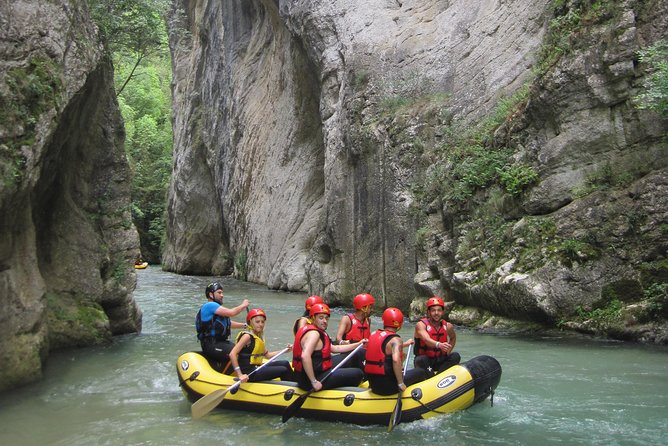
384,355
312,355
435,339
355,326
214,326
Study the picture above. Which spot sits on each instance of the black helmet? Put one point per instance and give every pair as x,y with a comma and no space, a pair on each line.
212,288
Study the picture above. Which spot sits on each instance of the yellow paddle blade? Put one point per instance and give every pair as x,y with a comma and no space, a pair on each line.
208,402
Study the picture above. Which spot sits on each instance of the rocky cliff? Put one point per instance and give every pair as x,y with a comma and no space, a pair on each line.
490,151
66,238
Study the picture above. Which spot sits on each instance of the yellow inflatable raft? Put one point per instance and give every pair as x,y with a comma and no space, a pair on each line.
455,389
141,265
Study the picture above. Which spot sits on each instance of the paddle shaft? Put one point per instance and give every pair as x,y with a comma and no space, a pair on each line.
396,413
294,407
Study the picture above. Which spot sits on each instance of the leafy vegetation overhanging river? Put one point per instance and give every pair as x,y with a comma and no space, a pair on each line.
553,391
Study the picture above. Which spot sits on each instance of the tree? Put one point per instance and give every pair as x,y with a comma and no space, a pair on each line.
133,29
135,33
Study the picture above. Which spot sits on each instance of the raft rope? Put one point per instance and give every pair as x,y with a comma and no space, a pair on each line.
429,409
281,392
315,396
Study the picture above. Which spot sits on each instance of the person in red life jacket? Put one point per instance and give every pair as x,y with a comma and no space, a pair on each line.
384,357
249,352
436,339
213,324
312,355
355,326
306,318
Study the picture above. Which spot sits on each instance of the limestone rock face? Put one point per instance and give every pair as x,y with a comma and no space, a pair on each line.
265,163
66,238
293,167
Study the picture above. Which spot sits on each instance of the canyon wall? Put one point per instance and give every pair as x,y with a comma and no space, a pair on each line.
310,137
67,242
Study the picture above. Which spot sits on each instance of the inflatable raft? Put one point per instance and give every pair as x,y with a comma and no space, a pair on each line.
455,389
141,265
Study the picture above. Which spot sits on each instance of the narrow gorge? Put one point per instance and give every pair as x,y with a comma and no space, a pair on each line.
496,153
492,152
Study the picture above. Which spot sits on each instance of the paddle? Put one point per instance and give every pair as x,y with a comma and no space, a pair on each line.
211,400
396,414
299,402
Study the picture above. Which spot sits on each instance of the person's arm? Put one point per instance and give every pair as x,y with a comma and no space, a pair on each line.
344,327
422,335
230,312
309,343
238,325
243,341
453,338
396,351
344,348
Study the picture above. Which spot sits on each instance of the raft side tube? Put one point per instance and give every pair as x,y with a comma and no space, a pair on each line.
486,373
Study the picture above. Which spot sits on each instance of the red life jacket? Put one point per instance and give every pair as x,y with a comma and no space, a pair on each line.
358,330
376,360
322,359
440,335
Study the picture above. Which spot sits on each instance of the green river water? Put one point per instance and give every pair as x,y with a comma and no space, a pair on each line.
553,391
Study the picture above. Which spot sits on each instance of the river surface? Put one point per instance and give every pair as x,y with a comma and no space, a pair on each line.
553,391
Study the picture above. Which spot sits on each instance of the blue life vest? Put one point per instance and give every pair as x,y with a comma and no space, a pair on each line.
218,327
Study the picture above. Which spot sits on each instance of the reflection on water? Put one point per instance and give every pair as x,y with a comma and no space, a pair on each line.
552,392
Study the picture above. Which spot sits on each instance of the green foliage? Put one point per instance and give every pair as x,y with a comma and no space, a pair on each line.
569,18
602,318
605,178
119,273
135,26
75,321
517,178
573,250
655,94
135,32
474,167
656,298
31,90
469,160
421,236
361,79
240,264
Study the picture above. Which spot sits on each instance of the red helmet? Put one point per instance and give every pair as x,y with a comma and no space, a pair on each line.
312,300
362,300
255,312
393,317
434,301
319,308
